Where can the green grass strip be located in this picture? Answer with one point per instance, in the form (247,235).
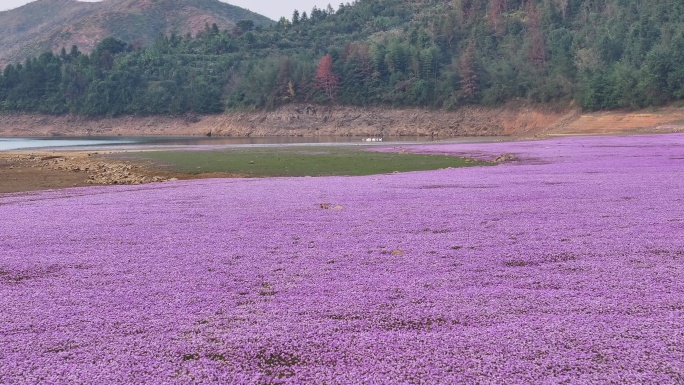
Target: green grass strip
(297,161)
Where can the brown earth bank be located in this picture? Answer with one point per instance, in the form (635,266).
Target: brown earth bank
(45,170)
(313,120)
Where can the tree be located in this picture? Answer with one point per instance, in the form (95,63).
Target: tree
(495,12)
(285,89)
(537,50)
(325,79)
(106,60)
(283,23)
(113,45)
(74,53)
(468,72)
(245,25)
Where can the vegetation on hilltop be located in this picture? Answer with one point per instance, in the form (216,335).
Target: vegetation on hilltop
(48,25)
(601,54)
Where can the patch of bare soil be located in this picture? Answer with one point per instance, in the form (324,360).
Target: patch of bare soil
(298,120)
(661,120)
(313,120)
(24,171)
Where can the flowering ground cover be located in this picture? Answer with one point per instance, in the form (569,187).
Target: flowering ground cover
(565,267)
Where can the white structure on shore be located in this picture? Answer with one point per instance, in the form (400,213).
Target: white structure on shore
(372,139)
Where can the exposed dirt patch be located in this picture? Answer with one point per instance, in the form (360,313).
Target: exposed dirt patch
(21,125)
(311,120)
(297,120)
(24,171)
(662,120)
(42,170)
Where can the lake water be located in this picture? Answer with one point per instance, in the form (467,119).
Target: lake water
(26,143)
(103,143)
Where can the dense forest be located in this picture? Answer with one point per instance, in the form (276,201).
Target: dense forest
(600,54)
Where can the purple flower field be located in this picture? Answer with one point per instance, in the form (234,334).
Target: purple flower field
(566,267)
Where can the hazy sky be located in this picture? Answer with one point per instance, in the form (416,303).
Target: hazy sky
(271,8)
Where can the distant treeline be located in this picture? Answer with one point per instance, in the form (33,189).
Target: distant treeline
(601,54)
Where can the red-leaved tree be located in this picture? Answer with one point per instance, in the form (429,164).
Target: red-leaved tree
(495,13)
(468,72)
(537,50)
(325,78)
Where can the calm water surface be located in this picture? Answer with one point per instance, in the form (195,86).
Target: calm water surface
(136,143)
(27,143)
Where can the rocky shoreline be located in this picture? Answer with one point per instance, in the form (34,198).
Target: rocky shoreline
(98,171)
(24,171)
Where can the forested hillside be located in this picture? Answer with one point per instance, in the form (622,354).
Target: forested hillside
(601,54)
(48,25)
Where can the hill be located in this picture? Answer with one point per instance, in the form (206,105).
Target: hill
(435,54)
(49,25)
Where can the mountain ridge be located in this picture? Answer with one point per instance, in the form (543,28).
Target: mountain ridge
(49,25)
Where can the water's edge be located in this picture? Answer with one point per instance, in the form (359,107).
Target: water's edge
(139,143)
